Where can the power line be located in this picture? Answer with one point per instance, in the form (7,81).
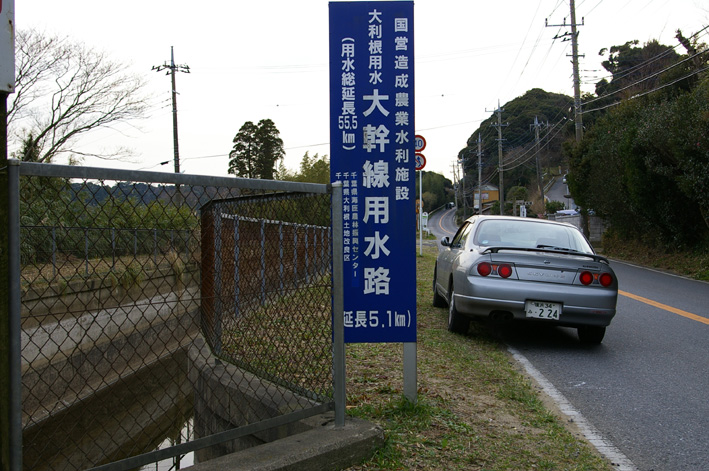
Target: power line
(652,59)
(691,74)
(520,160)
(646,78)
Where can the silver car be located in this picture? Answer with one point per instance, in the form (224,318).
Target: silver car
(524,269)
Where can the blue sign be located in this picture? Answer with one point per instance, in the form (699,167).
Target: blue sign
(372,152)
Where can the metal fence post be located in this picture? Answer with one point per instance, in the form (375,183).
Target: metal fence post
(15,352)
(236,268)
(307,256)
(86,250)
(113,248)
(218,305)
(263,262)
(54,252)
(280,256)
(338,307)
(295,256)
(155,247)
(323,251)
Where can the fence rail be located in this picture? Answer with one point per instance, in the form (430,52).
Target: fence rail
(116,282)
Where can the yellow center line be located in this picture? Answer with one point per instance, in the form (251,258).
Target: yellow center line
(674,310)
(440,223)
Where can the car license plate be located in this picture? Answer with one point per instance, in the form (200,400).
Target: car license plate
(542,310)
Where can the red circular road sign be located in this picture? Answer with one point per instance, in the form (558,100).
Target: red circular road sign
(420,161)
(420,143)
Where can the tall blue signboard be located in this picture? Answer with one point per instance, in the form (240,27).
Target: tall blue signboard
(372,154)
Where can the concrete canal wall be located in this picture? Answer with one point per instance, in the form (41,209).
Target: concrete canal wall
(71,351)
(227,397)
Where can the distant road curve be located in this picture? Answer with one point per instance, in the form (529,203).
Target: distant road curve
(442,223)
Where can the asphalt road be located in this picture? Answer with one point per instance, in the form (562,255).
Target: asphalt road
(558,192)
(645,388)
(442,223)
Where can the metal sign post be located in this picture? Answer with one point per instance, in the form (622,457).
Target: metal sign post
(420,145)
(10,366)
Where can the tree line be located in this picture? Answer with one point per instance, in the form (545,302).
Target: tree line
(643,162)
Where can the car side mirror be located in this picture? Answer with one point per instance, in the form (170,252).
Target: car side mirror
(445,242)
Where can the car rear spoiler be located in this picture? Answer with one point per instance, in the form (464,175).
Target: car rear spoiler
(593,256)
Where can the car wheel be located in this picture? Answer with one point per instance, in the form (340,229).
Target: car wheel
(457,323)
(438,300)
(591,334)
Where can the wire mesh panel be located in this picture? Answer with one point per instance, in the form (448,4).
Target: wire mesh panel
(266,273)
(120,279)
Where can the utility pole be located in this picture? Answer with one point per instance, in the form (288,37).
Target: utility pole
(172,68)
(456,183)
(578,119)
(462,184)
(536,126)
(500,167)
(480,176)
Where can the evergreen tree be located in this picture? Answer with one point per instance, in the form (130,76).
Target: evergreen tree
(257,148)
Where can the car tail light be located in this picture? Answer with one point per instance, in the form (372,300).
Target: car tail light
(603,279)
(606,279)
(586,278)
(484,269)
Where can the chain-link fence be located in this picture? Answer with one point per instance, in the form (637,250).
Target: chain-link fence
(165,311)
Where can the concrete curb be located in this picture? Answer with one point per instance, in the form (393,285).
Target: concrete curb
(322,448)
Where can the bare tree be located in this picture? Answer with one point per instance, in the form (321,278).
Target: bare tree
(64,90)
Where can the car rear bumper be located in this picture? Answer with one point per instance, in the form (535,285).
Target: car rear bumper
(581,305)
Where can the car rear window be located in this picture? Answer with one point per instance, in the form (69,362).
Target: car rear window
(530,234)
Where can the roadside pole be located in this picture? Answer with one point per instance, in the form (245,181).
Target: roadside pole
(10,386)
(410,374)
(338,315)
(420,163)
(420,211)
(5,408)
(10,349)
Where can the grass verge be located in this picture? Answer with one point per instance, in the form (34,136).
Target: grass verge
(475,409)
(690,263)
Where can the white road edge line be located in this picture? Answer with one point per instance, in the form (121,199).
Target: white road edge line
(606,448)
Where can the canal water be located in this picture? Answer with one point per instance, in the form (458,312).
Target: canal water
(173,464)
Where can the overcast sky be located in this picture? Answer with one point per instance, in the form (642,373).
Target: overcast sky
(257,59)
